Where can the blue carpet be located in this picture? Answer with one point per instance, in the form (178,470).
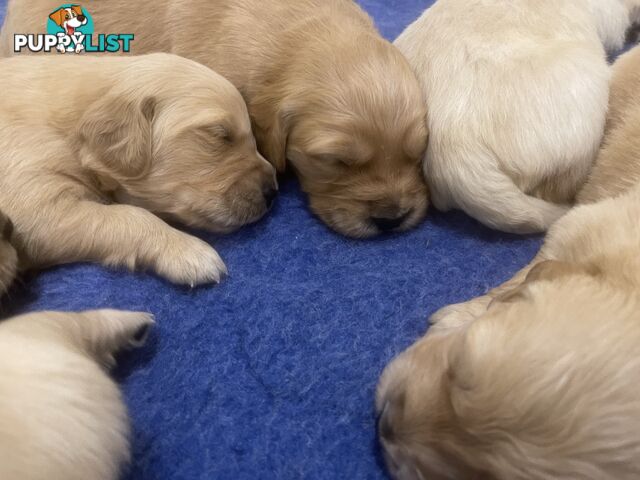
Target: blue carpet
(271,375)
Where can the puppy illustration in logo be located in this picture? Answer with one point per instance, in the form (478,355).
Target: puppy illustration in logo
(69,19)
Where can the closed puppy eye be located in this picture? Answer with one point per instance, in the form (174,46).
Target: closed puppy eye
(337,160)
(215,134)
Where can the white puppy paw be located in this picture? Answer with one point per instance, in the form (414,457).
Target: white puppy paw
(190,261)
(61,48)
(79,48)
(459,314)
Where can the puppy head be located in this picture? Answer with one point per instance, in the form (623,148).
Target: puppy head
(175,138)
(71,14)
(8,255)
(524,391)
(353,126)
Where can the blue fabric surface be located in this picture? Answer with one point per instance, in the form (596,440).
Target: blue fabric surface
(271,375)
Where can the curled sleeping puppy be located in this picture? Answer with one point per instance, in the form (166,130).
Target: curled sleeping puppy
(538,378)
(61,416)
(324,92)
(94,151)
(517,94)
(8,255)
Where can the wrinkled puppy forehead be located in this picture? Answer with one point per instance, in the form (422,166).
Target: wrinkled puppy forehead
(174,77)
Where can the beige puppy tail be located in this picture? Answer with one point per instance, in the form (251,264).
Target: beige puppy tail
(98,333)
(492,198)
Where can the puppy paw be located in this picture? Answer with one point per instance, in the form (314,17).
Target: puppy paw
(79,48)
(106,332)
(190,261)
(458,315)
(61,48)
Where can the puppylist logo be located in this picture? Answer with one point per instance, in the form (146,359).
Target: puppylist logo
(70,29)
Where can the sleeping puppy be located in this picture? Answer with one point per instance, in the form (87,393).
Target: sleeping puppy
(86,158)
(517,94)
(616,170)
(61,416)
(8,255)
(542,386)
(324,91)
(535,380)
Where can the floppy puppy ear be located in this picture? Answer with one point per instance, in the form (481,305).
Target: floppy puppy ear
(118,133)
(272,125)
(546,271)
(552,269)
(58,16)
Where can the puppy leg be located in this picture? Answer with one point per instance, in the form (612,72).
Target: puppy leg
(99,333)
(119,235)
(460,314)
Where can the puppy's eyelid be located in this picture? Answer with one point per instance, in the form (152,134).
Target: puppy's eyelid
(338,160)
(218,131)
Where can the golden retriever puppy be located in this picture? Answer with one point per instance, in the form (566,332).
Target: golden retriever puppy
(517,94)
(542,386)
(8,255)
(536,379)
(90,147)
(324,92)
(616,170)
(61,416)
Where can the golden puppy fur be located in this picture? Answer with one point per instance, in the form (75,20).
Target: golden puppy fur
(324,91)
(537,379)
(8,255)
(61,416)
(517,93)
(618,166)
(90,147)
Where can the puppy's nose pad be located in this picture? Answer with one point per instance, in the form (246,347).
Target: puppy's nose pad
(81,18)
(387,224)
(270,195)
(7,230)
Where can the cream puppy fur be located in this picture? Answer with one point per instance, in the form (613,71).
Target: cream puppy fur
(90,147)
(537,379)
(325,92)
(61,416)
(517,94)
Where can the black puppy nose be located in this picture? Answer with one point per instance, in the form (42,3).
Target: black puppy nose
(81,18)
(388,224)
(270,195)
(7,230)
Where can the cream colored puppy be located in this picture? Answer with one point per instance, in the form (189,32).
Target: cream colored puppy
(93,151)
(324,91)
(537,379)
(61,416)
(517,94)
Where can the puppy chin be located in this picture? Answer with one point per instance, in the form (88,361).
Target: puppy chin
(221,220)
(354,219)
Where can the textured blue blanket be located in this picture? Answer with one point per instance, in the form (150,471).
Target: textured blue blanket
(271,375)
